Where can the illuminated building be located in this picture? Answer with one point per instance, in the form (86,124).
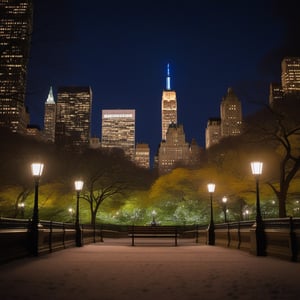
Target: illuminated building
(231,114)
(142,155)
(174,150)
(73,116)
(276,93)
(168,106)
(34,131)
(195,152)
(290,74)
(290,81)
(15,36)
(50,118)
(212,132)
(230,123)
(118,130)
(95,143)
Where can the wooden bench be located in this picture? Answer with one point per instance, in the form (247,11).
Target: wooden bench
(152,232)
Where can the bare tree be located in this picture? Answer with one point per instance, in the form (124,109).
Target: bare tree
(106,176)
(287,135)
(99,187)
(278,126)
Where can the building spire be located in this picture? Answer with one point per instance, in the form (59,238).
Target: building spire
(50,99)
(168,79)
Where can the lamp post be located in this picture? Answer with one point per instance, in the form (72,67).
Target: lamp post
(224,200)
(21,206)
(256,168)
(153,223)
(211,228)
(78,187)
(246,214)
(71,211)
(36,170)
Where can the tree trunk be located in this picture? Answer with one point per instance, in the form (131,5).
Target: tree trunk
(93,218)
(281,204)
(281,198)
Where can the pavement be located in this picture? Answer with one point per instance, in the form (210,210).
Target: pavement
(153,269)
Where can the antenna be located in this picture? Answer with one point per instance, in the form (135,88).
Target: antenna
(168,79)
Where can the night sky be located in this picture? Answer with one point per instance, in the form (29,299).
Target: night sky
(121,49)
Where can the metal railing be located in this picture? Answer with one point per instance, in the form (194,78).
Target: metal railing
(53,236)
(282,236)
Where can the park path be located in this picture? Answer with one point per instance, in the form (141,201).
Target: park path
(114,270)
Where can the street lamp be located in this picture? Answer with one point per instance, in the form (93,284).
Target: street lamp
(211,228)
(36,170)
(153,223)
(71,211)
(224,200)
(256,168)
(246,214)
(21,206)
(78,187)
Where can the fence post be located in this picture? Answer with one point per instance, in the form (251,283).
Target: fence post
(228,235)
(132,236)
(94,233)
(64,235)
(293,240)
(50,236)
(101,234)
(239,234)
(82,234)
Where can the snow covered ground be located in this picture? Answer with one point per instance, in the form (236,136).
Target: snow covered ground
(114,270)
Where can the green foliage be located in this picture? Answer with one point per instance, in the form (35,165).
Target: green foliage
(108,175)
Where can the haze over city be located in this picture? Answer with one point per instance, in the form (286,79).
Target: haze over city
(121,50)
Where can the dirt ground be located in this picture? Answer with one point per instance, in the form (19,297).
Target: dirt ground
(153,269)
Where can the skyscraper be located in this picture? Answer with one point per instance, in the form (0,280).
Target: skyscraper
(50,117)
(276,93)
(212,132)
(168,106)
(142,155)
(15,36)
(290,74)
(118,130)
(174,151)
(231,114)
(195,152)
(73,116)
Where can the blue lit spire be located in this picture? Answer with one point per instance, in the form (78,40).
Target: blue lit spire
(168,79)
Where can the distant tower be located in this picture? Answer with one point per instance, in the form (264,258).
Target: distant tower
(118,130)
(168,106)
(142,155)
(231,114)
(276,93)
(174,151)
(15,36)
(50,117)
(212,132)
(290,74)
(73,116)
(195,152)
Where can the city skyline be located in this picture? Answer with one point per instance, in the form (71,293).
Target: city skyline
(122,52)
